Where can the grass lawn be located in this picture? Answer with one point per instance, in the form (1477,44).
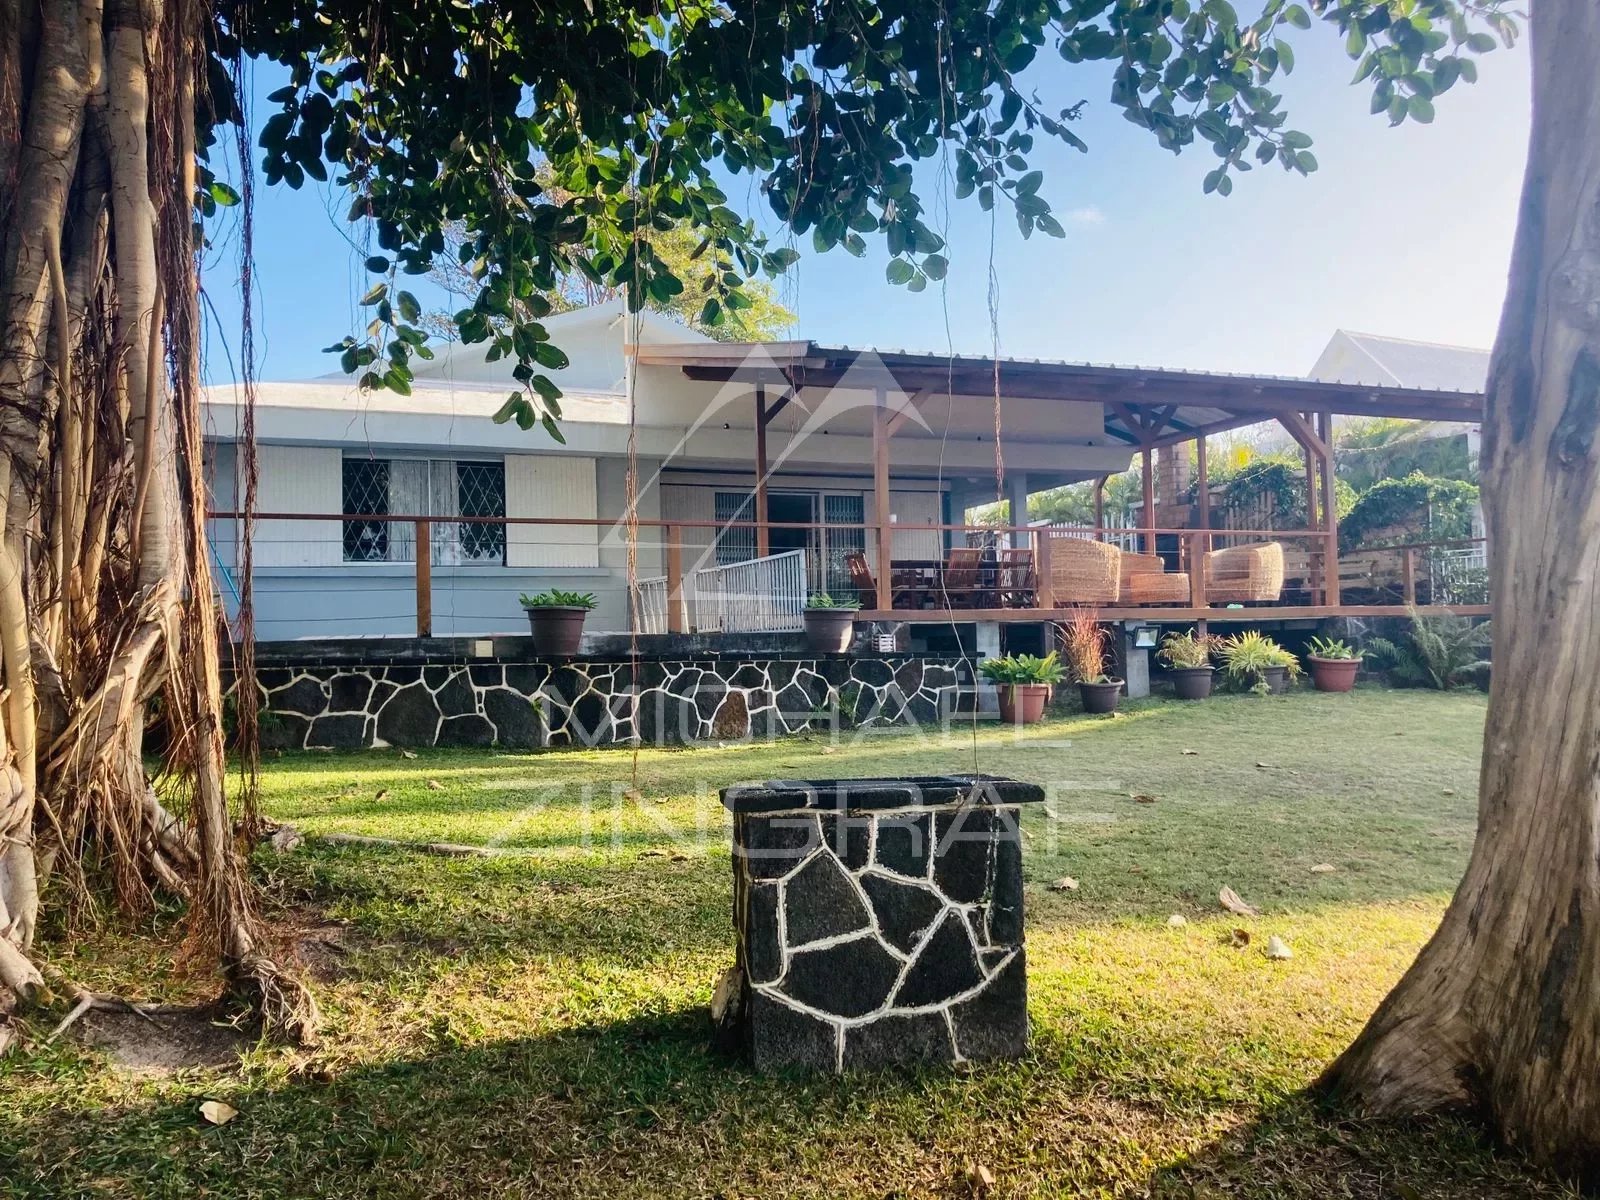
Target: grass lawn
(534,1023)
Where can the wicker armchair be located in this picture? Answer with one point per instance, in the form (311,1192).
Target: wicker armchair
(1084,572)
(1146,580)
(1244,573)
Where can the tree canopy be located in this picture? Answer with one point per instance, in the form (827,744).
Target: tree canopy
(467,113)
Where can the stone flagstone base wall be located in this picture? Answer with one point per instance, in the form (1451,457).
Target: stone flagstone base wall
(596,702)
(880,938)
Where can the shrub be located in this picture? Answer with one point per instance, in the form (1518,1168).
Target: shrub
(1247,656)
(1440,651)
(1184,651)
(823,600)
(1023,668)
(1321,647)
(1437,508)
(1084,641)
(555,598)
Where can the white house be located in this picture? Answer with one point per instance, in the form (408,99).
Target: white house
(325,449)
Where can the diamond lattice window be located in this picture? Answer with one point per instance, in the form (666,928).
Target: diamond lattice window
(441,489)
(366,491)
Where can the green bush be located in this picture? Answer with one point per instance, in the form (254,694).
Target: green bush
(1437,652)
(1427,508)
(1023,668)
(555,598)
(823,600)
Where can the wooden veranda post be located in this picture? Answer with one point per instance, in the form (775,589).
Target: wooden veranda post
(1148,539)
(424,579)
(1045,592)
(880,497)
(1100,509)
(1330,515)
(675,606)
(1199,543)
(1202,481)
(763,533)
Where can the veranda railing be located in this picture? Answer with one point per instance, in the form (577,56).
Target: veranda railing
(759,595)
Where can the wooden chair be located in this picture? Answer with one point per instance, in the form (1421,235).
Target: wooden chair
(855,562)
(1018,584)
(1084,572)
(961,577)
(1241,574)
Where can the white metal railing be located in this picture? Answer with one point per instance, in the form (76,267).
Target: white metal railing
(759,595)
(652,604)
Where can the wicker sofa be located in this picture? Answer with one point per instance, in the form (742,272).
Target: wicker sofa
(1146,580)
(1084,572)
(1241,574)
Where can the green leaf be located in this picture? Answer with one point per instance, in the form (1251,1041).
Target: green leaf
(377,264)
(410,310)
(223,195)
(899,271)
(935,266)
(1420,108)
(552,428)
(1297,16)
(1029,183)
(374,294)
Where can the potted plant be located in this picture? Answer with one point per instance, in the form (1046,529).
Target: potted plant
(556,620)
(1253,660)
(1188,657)
(829,623)
(1084,642)
(1333,665)
(1024,683)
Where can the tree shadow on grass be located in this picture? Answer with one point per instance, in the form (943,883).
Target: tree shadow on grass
(1304,1149)
(643,1106)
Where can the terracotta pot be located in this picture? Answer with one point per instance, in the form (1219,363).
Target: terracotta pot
(828,630)
(1023,703)
(1192,683)
(557,629)
(1333,674)
(1101,697)
(1276,679)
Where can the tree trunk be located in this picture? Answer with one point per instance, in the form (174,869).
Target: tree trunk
(1500,1014)
(106,598)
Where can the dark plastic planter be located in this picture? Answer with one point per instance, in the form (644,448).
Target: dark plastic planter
(1192,683)
(828,630)
(1276,679)
(557,629)
(1333,674)
(1023,703)
(1101,697)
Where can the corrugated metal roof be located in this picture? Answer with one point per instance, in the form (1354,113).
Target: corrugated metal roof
(1435,365)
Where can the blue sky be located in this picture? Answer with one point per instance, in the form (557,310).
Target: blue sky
(1405,232)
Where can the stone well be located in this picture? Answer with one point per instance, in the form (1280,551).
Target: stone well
(879,922)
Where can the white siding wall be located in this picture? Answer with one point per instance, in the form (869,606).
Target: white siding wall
(910,509)
(548,485)
(680,503)
(307,479)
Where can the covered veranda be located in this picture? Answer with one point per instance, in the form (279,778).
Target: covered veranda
(1004,428)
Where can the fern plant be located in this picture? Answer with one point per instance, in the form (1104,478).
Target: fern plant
(1436,652)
